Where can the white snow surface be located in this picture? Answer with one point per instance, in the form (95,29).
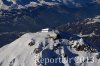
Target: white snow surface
(94,20)
(20,53)
(2,5)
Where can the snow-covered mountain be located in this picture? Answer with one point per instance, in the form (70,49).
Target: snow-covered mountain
(65,2)
(44,48)
(68,3)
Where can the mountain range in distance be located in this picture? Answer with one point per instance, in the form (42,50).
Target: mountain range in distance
(67,3)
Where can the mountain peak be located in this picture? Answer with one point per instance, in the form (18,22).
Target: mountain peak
(31,48)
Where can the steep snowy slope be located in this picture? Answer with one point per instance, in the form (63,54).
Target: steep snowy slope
(2,5)
(49,49)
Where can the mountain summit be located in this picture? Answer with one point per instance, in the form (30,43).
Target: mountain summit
(49,48)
